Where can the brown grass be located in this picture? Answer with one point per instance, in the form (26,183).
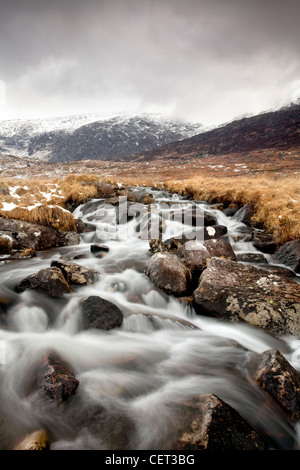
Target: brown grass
(275,196)
(54,217)
(276,200)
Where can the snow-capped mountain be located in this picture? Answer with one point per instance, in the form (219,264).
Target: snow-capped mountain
(90,136)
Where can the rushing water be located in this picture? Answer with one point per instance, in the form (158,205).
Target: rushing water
(131,378)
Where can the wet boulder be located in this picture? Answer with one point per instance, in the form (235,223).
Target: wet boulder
(52,377)
(244,214)
(264,242)
(171,245)
(143,197)
(220,248)
(251,258)
(228,289)
(50,281)
(80,225)
(198,217)
(100,313)
(289,255)
(275,375)
(208,233)
(168,273)
(194,255)
(18,235)
(75,274)
(212,424)
(99,248)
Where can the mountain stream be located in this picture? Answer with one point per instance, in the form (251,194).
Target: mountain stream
(130,376)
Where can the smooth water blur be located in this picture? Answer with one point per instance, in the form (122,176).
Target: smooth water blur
(131,378)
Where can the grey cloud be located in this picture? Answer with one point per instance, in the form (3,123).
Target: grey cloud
(202,59)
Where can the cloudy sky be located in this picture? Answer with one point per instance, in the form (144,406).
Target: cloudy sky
(208,61)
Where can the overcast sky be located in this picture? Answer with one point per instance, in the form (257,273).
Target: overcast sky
(208,61)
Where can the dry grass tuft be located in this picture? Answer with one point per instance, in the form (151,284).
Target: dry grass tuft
(54,217)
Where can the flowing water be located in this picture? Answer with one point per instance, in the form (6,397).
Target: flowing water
(131,378)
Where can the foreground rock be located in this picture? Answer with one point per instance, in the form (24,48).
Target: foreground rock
(100,314)
(50,281)
(18,236)
(275,375)
(76,274)
(212,424)
(168,273)
(232,290)
(37,440)
(52,377)
(289,255)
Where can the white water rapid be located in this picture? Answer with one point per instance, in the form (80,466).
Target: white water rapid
(129,377)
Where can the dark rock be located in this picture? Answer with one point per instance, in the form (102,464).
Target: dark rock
(112,427)
(75,274)
(197,217)
(50,281)
(91,206)
(171,245)
(18,235)
(105,190)
(251,258)
(80,225)
(275,375)
(242,232)
(207,233)
(264,242)
(53,377)
(231,210)
(100,314)
(289,255)
(98,248)
(143,197)
(194,255)
(212,424)
(168,273)
(244,214)
(279,270)
(220,248)
(237,291)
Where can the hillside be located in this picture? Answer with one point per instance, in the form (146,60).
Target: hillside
(278,130)
(91,137)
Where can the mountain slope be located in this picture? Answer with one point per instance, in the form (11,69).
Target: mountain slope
(90,136)
(271,130)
